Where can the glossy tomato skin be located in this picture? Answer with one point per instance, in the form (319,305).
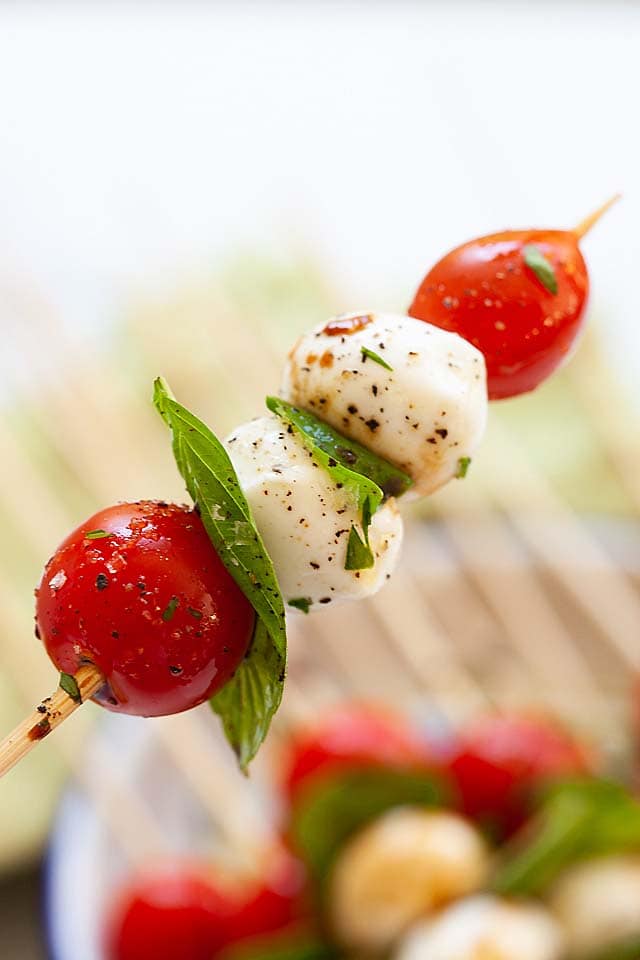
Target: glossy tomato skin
(484,291)
(500,764)
(352,737)
(168,913)
(272,904)
(151,605)
(189,912)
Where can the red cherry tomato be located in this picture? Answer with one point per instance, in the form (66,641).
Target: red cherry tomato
(150,603)
(170,913)
(272,905)
(185,912)
(500,763)
(353,737)
(485,291)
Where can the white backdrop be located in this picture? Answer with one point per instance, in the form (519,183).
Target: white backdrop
(141,141)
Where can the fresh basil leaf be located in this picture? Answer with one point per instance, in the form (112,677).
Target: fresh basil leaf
(170,609)
(300,603)
(330,812)
(536,261)
(249,701)
(577,819)
(69,684)
(375,357)
(288,946)
(353,456)
(213,485)
(320,440)
(463,468)
(359,553)
(627,949)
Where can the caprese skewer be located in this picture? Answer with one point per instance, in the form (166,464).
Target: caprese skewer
(151,608)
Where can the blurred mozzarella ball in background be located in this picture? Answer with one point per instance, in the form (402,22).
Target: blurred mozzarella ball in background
(485,927)
(305,519)
(401,867)
(424,415)
(598,902)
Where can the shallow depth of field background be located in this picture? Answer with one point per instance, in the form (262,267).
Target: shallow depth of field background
(186,186)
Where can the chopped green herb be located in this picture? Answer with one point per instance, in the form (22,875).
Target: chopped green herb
(392,481)
(536,261)
(374,356)
(247,703)
(69,684)
(576,819)
(194,613)
(97,534)
(463,466)
(171,608)
(366,493)
(359,553)
(625,949)
(300,603)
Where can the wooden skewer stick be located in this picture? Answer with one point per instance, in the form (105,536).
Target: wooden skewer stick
(585,225)
(46,717)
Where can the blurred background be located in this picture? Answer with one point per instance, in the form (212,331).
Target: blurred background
(185,187)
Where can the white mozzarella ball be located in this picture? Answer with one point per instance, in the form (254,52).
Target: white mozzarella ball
(486,927)
(598,902)
(399,868)
(424,415)
(305,519)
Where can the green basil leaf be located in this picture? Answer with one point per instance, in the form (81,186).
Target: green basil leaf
(69,684)
(463,467)
(300,603)
(287,946)
(353,456)
(249,701)
(213,485)
(170,609)
(333,452)
(330,812)
(577,819)
(359,553)
(627,949)
(97,535)
(375,357)
(536,261)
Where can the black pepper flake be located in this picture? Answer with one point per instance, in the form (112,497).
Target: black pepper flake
(374,390)
(176,671)
(316,566)
(325,600)
(102,581)
(373,424)
(115,634)
(332,462)
(37,632)
(346,455)
(352,408)
(442,432)
(41,708)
